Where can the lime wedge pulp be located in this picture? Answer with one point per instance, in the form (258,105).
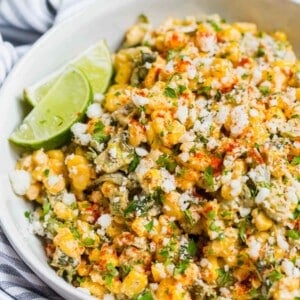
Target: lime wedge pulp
(48,124)
(95,62)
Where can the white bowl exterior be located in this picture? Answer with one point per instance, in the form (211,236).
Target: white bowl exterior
(107,20)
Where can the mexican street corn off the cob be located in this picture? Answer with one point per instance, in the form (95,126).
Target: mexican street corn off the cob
(184,180)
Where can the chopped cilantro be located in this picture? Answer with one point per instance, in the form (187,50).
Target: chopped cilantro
(110,274)
(225,278)
(143,18)
(46,172)
(75,232)
(218,95)
(142,204)
(260,52)
(149,226)
(88,242)
(214,25)
(264,90)
(205,90)
(145,296)
(181,88)
(169,92)
(134,163)
(209,176)
(165,161)
(188,216)
(242,229)
(275,275)
(27,215)
(46,208)
(181,267)
(192,248)
(245,76)
(293,234)
(171,54)
(296,160)
(211,214)
(252,188)
(98,133)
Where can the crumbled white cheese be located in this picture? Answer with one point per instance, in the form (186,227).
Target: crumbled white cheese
(113,153)
(78,128)
(36,227)
(292,195)
(239,118)
(253,112)
(184,201)
(170,66)
(208,43)
(222,115)
(143,167)
(184,156)
(182,113)
(168,182)
(244,211)
(212,144)
(188,136)
(260,174)
(68,198)
(80,135)
(20,181)
(161,269)
(170,269)
(236,187)
(289,269)
(191,71)
(104,221)
(281,241)
(141,151)
(54,179)
(254,248)
(262,195)
(94,111)
(98,97)
(139,100)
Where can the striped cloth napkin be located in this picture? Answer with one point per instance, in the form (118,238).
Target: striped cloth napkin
(22,22)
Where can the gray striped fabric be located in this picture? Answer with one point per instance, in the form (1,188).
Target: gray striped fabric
(21,23)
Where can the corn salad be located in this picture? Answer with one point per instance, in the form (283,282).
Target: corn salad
(183,181)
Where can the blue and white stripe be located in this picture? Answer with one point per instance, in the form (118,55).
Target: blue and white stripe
(22,22)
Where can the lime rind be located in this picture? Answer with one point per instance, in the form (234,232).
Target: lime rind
(48,124)
(95,62)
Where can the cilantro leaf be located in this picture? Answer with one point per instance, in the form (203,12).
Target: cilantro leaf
(275,275)
(182,266)
(293,234)
(149,226)
(225,278)
(214,25)
(264,90)
(99,134)
(134,163)
(209,176)
(167,162)
(46,208)
(145,296)
(296,160)
(169,92)
(192,248)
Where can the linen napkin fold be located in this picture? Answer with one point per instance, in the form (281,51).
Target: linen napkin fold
(22,22)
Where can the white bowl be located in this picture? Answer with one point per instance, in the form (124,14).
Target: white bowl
(107,20)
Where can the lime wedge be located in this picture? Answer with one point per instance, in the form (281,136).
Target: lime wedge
(48,124)
(95,62)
